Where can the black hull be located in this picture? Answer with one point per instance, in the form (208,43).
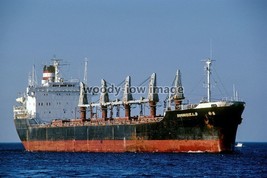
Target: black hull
(180,131)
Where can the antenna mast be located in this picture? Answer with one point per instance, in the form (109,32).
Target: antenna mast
(208,70)
(34,81)
(210,48)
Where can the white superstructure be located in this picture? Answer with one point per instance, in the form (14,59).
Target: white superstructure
(53,99)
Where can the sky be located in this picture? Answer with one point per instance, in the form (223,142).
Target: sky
(137,38)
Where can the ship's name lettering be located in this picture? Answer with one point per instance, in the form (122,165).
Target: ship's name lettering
(187,114)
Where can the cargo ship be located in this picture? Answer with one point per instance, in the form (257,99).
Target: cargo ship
(59,116)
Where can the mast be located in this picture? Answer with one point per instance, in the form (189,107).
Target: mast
(153,97)
(82,101)
(32,77)
(127,96)
(179,94)
(56,63)
(85,71)
(208,70)
(104,98)
(235,92)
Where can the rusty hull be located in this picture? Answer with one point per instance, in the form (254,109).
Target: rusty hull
(211,146)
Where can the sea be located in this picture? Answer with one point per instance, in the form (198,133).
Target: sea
(250,160)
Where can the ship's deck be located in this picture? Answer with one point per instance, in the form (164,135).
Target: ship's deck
(101,122)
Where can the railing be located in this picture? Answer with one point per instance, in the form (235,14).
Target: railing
(20,112)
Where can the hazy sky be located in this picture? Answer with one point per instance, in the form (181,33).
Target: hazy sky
(138,38)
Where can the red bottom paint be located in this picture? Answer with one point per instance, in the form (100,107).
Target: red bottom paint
(125,146)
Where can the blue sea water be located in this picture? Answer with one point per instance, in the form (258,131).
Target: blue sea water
(248,161)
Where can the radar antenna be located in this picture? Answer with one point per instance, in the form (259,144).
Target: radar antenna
(57,63)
